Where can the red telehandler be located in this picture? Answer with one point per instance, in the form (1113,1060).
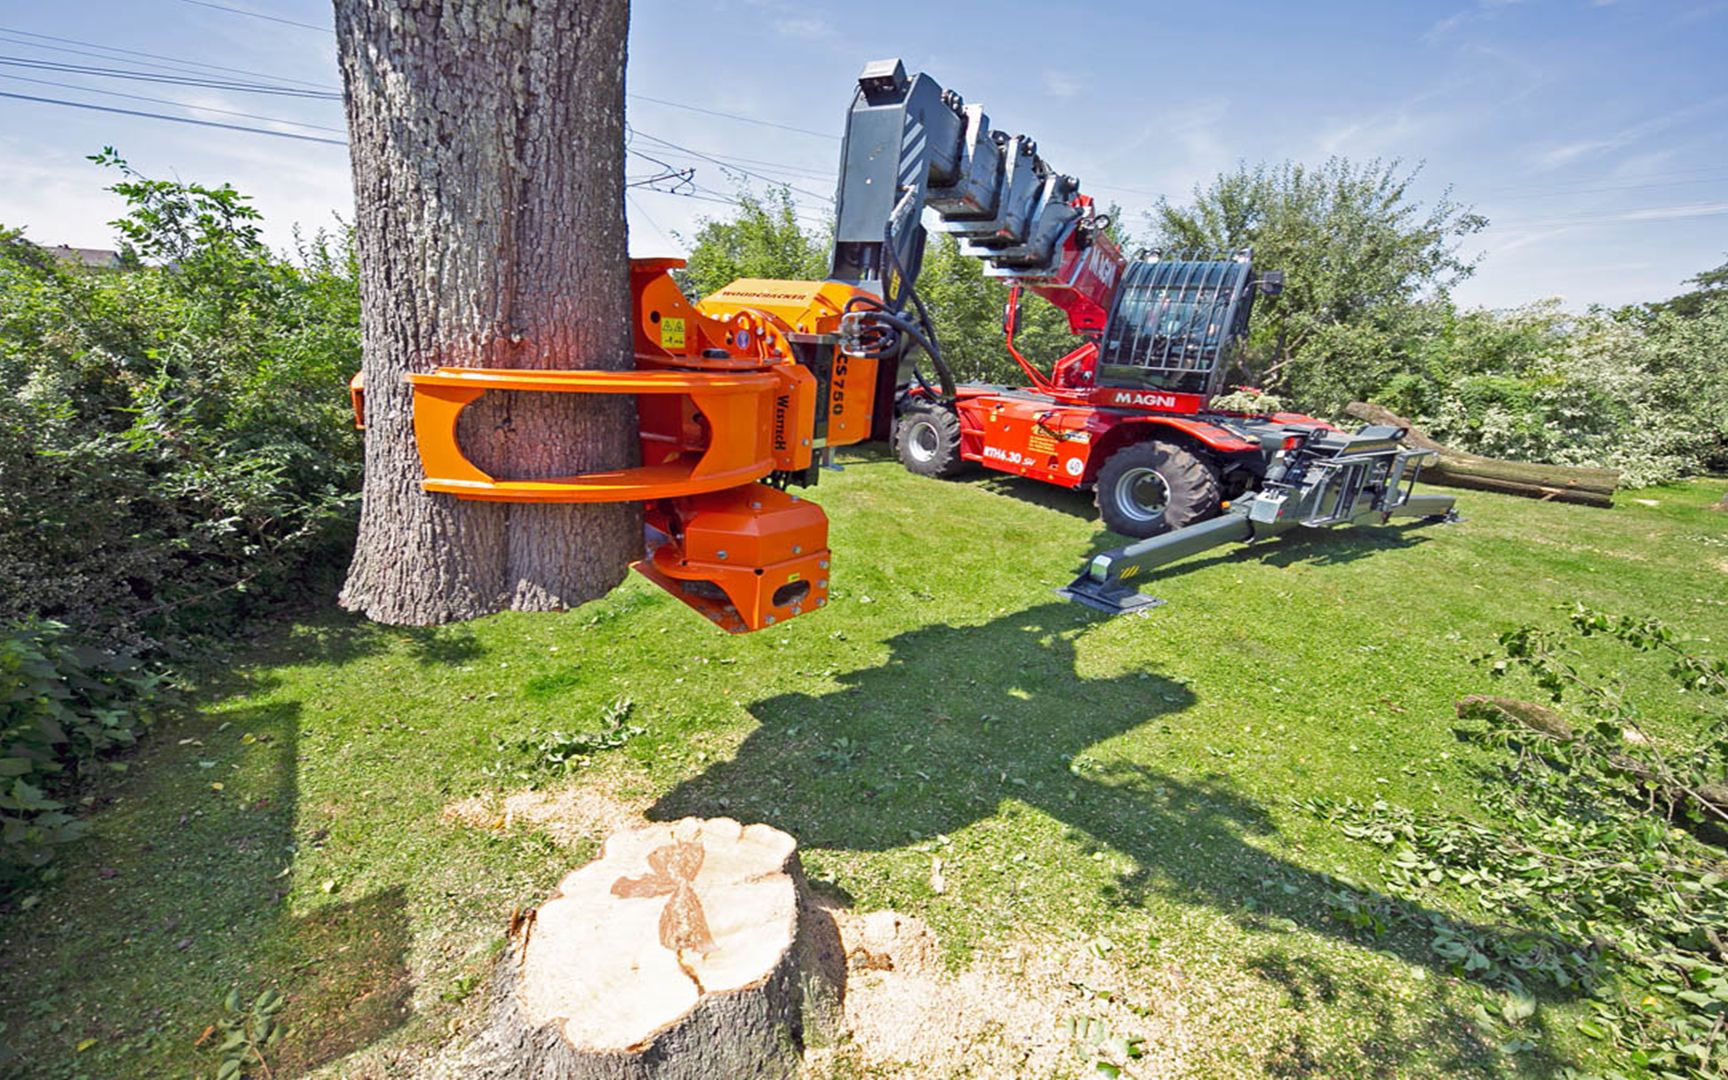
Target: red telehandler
(740,395)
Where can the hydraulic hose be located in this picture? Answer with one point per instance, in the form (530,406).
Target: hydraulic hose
(926,341)
(925,338)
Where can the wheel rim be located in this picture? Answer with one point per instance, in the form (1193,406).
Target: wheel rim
(924,442)
(1142,495)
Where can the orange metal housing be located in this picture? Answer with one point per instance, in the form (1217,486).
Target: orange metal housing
(811,307)
(724,398)
(746,557)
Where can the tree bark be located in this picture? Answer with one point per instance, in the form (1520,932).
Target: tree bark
(685,951)
(487,147)
(1455,468)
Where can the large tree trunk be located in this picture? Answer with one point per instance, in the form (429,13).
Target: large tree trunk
(1455,468)
(488,155)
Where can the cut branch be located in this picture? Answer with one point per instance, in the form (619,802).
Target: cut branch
(1549,725)
(1455,468)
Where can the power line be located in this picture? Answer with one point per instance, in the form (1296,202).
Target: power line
(173,62)
(769,166)
(170,101)
(175,119)
(260,15)
(172,80)
(702,194)
(336,93)
(639,97)
(734,116)
(735,168)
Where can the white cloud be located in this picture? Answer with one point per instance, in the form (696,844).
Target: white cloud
(1483,9)
(1061,84)
(1578,149)
(57,198)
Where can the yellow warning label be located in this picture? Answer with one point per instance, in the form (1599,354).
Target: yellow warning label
(790,578)
(671,334)
(1040,443)
(893,284)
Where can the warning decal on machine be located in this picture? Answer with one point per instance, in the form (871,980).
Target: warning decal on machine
(671,334)
(1041,443)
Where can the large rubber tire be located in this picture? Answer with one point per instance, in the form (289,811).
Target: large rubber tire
(927,438)
(1149,488)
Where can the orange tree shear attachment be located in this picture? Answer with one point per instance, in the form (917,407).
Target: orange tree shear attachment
(718,433)
(722,401)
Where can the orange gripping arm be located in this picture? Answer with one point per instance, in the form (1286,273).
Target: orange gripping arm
(738,408)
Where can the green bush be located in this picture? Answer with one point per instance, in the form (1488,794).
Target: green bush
(174,438)
(63,706)
(1640,392)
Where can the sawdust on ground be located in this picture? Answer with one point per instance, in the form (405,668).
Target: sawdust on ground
(568,815)
(905,1014)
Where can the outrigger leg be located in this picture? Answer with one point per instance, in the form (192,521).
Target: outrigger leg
(1319,480)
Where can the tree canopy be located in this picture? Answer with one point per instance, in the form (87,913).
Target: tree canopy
(1712,286)
(1359,253)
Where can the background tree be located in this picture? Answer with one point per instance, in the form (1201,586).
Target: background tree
(1361,259)
(1712,286)
(488,145)
(761,239)
(967,307)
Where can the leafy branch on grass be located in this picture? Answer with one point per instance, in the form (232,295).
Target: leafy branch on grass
(247,1029)
(1582,882)
(1688,778)
(563,752)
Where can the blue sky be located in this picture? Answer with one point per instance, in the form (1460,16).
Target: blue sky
(1592,133)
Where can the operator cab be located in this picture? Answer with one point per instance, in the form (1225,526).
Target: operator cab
(1177,324)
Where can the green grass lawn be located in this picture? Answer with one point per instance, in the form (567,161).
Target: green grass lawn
(1091,785)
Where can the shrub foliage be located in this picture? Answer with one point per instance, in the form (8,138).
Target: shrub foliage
(173,452)
(62,706)
(171,435)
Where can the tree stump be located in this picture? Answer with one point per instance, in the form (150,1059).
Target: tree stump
(684,950)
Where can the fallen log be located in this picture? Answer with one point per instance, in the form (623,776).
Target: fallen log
(1455,468)
(684,951)
(1548,725)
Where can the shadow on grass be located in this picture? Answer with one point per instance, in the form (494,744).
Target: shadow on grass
(1063,500)
(961,721)
(178,895)
(335,638)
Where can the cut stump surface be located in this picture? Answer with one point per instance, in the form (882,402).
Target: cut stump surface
(684,950)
